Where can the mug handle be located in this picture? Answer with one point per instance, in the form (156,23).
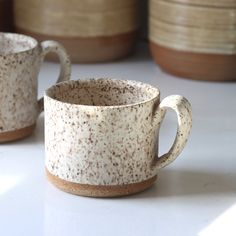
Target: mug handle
(184,115)
(65,71)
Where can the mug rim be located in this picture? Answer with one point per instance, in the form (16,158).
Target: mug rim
(139,83)
(29,48)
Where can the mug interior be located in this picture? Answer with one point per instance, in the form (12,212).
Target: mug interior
(14,43)
(102,92)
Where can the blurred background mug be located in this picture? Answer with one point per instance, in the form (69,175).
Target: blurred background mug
(20,60)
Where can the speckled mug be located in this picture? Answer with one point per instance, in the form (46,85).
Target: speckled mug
(101,135)
(20,60)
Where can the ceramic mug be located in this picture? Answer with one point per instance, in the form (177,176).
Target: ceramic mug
(20,60)
(101,135)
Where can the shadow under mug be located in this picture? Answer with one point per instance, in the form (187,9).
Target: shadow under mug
(20,59)
(101,135)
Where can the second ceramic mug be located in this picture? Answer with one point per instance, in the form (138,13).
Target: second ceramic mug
(101,135)
(20,60)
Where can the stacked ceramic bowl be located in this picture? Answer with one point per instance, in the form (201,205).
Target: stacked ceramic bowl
(91,31)
(194,38)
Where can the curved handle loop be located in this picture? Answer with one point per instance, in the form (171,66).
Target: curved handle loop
(65,71)
(184,114)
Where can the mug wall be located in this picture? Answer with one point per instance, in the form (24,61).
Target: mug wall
(19,67)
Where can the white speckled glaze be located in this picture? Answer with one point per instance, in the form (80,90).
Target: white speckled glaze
(20,60)
(105,131)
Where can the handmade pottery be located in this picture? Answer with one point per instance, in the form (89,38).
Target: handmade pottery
(91,31)
(193,38)
(101,135)
(20,60)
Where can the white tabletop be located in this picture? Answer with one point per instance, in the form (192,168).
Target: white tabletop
(195,195)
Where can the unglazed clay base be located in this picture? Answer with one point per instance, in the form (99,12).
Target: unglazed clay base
(199,66)
(99,191)
(91,49)
(16,134)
